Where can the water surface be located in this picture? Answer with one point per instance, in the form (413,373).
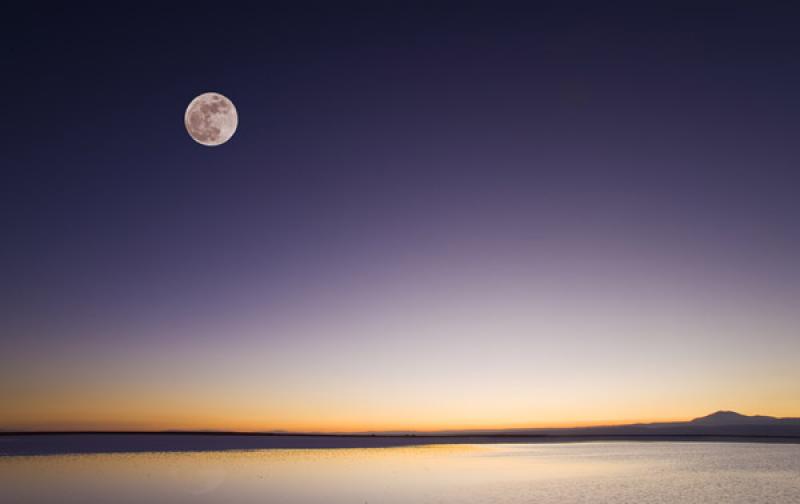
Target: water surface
(619,472)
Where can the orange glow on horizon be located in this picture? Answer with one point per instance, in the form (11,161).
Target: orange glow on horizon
(310,427)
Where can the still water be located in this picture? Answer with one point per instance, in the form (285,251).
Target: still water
(615,472)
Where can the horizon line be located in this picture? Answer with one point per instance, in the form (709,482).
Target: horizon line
(475,431)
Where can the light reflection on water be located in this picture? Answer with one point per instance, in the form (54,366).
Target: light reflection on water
(542,473)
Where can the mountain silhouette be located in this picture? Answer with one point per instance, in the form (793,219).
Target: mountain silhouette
(734,418)
(720,423)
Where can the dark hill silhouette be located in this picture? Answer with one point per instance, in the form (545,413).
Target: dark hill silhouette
(720,422)
(734,418)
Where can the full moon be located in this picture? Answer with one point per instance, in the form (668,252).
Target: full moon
(211,119)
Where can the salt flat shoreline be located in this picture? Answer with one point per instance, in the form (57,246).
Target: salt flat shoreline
(32,444)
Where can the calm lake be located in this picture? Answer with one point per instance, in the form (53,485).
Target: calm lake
(618,472)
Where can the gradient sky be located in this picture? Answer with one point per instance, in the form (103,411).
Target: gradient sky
(467,215)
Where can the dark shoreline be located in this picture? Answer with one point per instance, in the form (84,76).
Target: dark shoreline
(74,443)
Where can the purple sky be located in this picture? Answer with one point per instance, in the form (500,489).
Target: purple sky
(461,216)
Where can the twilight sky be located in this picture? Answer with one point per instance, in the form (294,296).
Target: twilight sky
(467,215)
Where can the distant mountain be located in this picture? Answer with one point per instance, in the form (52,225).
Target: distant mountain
(733,418)
(722,418)
(720,423)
